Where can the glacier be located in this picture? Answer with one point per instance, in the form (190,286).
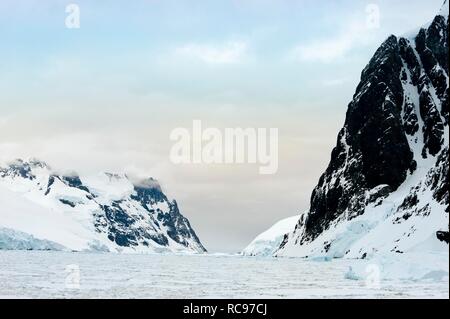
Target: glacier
(11,239)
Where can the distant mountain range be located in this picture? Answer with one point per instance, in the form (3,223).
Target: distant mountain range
(40,209)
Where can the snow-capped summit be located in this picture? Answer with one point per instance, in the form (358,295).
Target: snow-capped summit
(108,212)
(385,190)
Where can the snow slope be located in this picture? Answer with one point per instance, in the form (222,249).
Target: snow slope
(40,209)
(40,274)
(269,241)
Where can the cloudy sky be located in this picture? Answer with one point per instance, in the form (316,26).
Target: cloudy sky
(107,95)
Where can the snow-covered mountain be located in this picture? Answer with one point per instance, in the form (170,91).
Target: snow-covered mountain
(386,187)
(267,243)
(40,209)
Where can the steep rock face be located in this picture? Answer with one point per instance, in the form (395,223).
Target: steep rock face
(107,212)
(372,147)
(390,155)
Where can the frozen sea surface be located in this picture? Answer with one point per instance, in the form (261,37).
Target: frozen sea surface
(32,274)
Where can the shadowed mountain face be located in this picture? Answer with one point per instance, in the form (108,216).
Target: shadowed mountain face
(106,212)
(395,136)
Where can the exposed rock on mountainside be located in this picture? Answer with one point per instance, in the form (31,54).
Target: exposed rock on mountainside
(386,186)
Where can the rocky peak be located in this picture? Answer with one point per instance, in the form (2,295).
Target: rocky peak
(396,123)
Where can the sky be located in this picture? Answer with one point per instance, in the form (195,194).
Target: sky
(106,96)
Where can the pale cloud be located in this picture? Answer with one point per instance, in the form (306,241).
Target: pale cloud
(328,50)
(3,121)
(228,53)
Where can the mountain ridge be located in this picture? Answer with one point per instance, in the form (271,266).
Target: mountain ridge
(108,212)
